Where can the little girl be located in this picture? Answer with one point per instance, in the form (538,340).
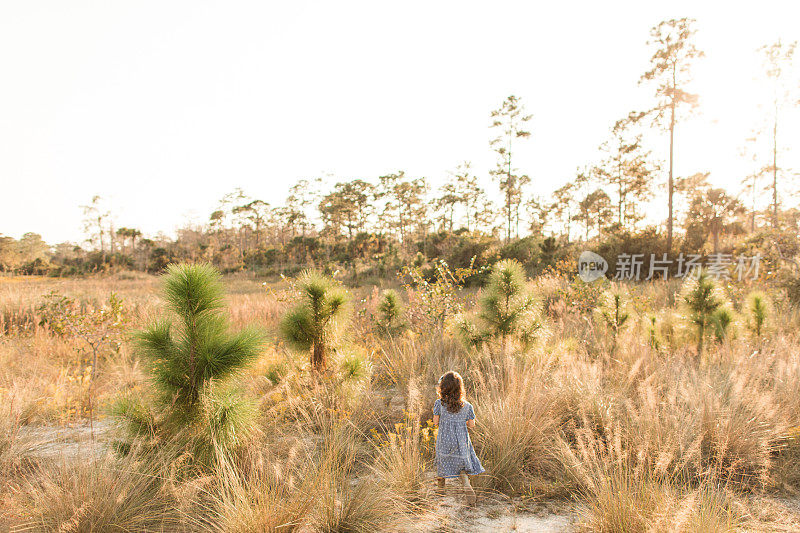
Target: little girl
(455,456)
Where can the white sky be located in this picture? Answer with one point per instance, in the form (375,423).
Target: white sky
(164,106)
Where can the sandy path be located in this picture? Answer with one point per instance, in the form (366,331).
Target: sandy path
(449,513)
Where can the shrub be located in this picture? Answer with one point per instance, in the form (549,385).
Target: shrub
(433,298)
(98,327)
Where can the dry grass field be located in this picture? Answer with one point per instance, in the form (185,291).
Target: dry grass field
(255,257)
(594,426)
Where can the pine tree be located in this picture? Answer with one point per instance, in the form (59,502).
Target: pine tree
(757,312)
(626,171)
(192,356)
(702,298)
(507,312)
(390,312)
(613,314)
(721,322)
(511,120)
(313,323)
(778,58)
(672,58)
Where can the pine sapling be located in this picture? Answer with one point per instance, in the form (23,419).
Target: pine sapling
(390,312)
(192,356)
(614,315)
(721,321)
(757,312)
(701,299)
(652,333)
(313,324)
(507,312)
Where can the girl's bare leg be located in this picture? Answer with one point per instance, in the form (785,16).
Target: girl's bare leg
(440,485)
(468,490)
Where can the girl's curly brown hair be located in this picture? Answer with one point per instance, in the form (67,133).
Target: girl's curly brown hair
(451,391)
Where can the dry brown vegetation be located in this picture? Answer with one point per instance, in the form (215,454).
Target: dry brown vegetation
(642,437)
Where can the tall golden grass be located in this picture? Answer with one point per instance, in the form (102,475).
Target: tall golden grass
(649,438)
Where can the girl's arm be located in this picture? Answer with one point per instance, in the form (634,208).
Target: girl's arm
(435,420)
(470,417)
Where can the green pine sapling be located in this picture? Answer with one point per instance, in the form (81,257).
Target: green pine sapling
(314,322)
(192,356)
(613,313)
(701,299)
(757,312)
(507,312)
(390,312)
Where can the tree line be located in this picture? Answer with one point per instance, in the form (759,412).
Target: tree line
(376,225)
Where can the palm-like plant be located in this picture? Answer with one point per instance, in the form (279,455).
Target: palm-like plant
(191,356)
(702,298)
(314,322)
(507,311)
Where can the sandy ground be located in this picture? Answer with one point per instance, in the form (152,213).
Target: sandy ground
(67,442)
(450,513)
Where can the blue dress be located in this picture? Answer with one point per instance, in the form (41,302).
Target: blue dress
(454,451)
